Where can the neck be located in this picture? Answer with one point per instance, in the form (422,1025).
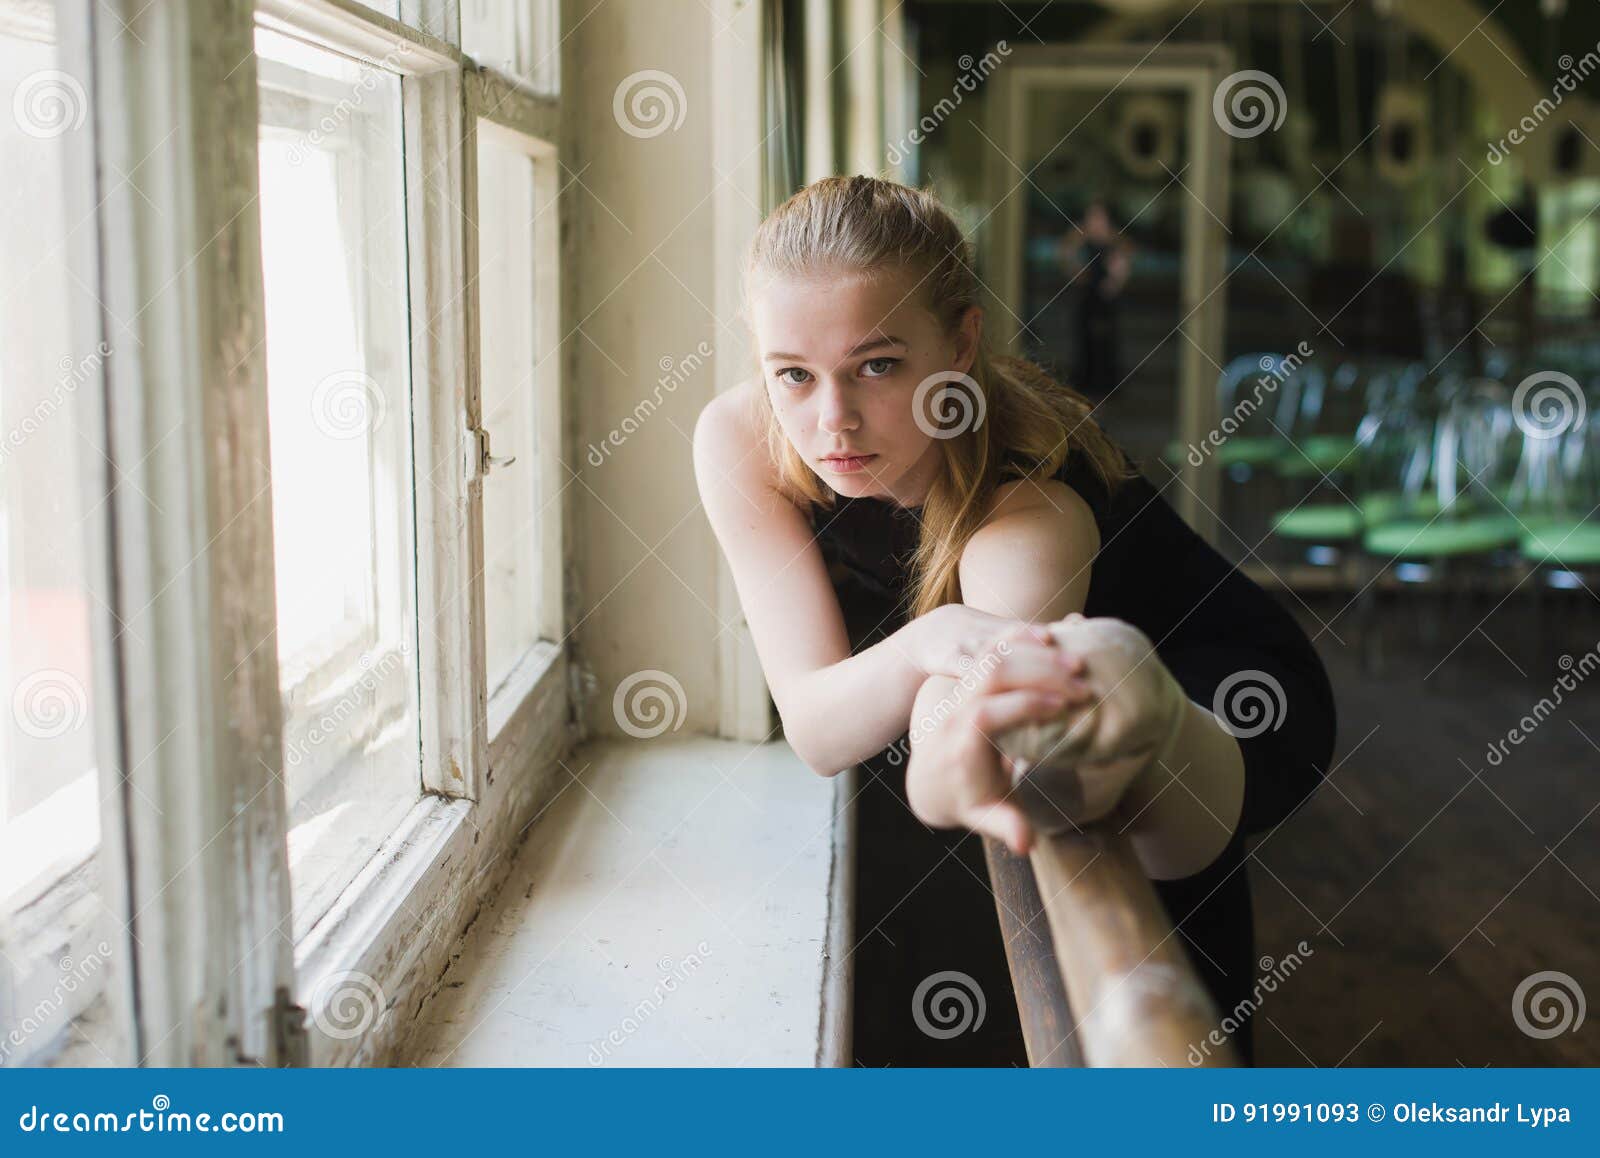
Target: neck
(911,488)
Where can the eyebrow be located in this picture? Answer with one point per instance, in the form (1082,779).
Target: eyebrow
(869,344)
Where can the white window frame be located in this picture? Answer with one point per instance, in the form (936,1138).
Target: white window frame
(193,855)
(529,127)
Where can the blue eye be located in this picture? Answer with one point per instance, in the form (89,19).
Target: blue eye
(791,370)
(888,365)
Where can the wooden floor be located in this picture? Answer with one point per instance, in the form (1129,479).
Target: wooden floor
(1428,882)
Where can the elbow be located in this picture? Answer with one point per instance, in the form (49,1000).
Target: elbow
(822,763)
(801,742)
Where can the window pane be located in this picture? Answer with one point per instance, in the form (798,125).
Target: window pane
(49,796)
(333,254)
(518,38)
(509,343)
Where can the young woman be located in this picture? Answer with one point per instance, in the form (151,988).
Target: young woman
(902,509)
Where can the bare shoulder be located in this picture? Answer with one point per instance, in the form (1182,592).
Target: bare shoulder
(730,418)
(1049,503)
(1032,556)
(731,461)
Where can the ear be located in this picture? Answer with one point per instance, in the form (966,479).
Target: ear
(969,333)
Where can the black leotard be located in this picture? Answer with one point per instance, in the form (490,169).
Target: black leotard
(923,904)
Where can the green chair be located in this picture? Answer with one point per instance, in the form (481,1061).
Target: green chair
(1556,492)
(1442,505)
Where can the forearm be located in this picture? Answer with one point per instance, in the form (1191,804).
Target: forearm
(841,714)
(1182,812)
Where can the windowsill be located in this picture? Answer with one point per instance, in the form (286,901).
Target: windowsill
(676,904)
(48,842)
(514,692)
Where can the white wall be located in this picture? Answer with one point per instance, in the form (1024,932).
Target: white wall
(653,240)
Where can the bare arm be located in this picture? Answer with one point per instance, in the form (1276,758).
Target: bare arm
(838,709)
(1181,814)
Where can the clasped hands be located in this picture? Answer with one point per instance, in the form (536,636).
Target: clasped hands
(1047,728)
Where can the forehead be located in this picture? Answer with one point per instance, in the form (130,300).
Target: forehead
(822,316)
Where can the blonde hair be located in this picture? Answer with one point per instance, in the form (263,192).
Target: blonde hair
(1031,423)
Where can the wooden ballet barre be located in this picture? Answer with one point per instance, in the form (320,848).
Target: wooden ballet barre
(1109,983)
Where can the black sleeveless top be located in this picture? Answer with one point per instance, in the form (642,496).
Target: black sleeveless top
(1210,624)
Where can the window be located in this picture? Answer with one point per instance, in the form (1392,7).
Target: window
(519,38)
(334,266)
(284,761)
(49,797)
(512,376)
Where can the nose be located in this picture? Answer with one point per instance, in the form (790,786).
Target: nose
(838,412)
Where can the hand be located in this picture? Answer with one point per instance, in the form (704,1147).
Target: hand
(955,775)
(1074,768)
(954,639)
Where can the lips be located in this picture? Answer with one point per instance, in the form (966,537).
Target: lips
(849,465)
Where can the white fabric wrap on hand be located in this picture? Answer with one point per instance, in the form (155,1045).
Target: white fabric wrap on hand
(1073,770)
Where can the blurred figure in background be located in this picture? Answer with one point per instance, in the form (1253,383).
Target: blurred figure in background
(1098,253)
